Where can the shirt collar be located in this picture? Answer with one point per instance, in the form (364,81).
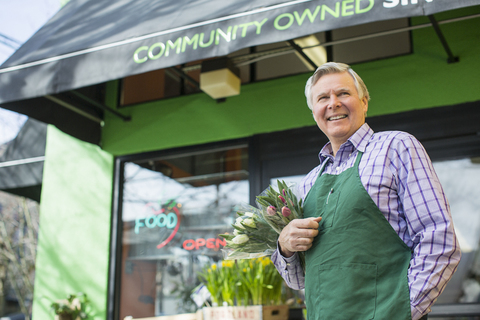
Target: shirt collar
(358,140)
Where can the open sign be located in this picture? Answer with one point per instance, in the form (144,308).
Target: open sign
(210,243)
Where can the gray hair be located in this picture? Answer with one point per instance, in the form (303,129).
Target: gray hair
(334,67)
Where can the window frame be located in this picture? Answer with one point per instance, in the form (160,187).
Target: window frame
(116,233)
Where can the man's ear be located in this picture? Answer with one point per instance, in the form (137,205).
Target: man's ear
(365,104)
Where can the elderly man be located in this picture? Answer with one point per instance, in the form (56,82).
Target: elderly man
(377,232)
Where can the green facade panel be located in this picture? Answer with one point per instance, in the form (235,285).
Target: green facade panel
(73,243)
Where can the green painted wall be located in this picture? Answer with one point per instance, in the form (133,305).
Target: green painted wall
(73,244)
(420,80)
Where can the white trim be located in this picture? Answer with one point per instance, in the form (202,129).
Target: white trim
(147,36)
(21,161)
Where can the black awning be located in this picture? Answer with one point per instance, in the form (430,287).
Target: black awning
(21,165)
(90,42)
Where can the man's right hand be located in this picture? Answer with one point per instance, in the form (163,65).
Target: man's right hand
(298,235)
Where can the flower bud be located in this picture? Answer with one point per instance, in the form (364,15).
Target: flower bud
(284,193)
(238,223)
(286,212)
(241,238)
(271,210)
(283,199)
(249,223)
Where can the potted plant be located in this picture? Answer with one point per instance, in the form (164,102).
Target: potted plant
(244,288)
(72,308)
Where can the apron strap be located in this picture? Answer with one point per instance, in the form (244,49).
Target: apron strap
(357,160)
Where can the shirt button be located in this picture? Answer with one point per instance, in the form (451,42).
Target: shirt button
(338,169)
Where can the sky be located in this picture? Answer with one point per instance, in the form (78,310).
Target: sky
(19,20)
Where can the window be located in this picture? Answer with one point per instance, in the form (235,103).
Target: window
(459,179)
(173,209)
(389,45)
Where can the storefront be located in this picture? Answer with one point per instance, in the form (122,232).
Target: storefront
(130,213)
(196,190)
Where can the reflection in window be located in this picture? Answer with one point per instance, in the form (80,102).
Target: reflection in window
(291,181)
(459,179)
(173,211)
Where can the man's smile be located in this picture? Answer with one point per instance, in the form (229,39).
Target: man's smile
(337,117)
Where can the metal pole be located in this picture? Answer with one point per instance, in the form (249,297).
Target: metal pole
(302,53)
(185,76)
(101,106)
(451,57)
(75,109)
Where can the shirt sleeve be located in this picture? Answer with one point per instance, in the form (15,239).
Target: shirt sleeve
(435,249)
(290,269)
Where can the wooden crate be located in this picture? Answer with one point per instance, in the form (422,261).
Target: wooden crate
(246,313)
(184,316)
(276,312)
(230,313)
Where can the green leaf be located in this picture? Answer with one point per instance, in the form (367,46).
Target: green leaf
(265,201)
(227,236)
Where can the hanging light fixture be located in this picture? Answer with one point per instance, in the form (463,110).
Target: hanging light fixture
(313,50)
(219,78)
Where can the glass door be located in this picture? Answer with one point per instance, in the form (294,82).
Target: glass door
(173,209)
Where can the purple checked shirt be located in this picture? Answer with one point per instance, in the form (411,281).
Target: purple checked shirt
(398,174)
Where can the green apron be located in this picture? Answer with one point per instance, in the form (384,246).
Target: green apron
(357,266)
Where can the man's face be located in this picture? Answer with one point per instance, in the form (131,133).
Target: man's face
(337,108)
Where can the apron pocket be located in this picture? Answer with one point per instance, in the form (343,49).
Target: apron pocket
(327,208)
(346,291)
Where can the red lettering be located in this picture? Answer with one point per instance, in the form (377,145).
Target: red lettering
(219,242)
(199,243)
(211,243)
(189,244)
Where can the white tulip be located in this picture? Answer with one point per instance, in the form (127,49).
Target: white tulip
(241,238)
(249,222)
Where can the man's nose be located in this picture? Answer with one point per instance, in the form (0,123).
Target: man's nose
(334,102)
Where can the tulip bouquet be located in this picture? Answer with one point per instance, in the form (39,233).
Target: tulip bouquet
(256,230)
(253,237)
